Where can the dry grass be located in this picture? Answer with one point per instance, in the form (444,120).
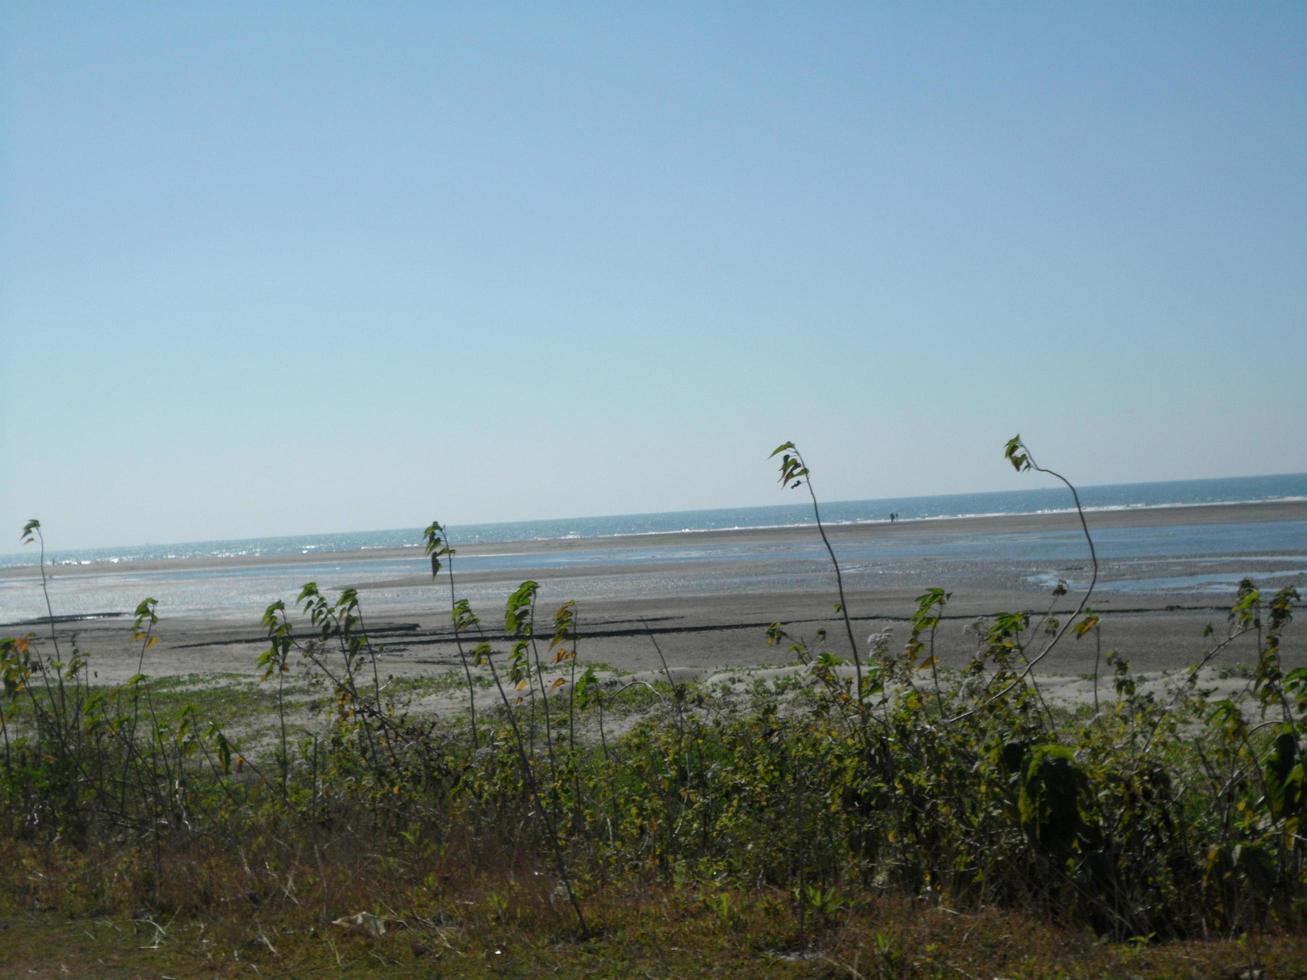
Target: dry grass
(503,924)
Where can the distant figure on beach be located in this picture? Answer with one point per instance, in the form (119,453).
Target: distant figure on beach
(893,517)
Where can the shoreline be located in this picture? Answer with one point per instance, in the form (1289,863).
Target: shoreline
(652,594)
(1162,516)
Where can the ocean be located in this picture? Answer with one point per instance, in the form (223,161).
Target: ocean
(662,548)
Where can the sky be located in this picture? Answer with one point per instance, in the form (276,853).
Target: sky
(299,267)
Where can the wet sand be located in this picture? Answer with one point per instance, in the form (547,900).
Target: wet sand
(714,631)
(702,633)
(720,645)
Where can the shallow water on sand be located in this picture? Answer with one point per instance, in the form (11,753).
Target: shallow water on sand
(1046,500)
(1166,557)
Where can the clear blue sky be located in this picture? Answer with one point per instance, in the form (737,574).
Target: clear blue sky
(283,268)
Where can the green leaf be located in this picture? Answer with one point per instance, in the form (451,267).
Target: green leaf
(517,612)
(1090,622)
(587,688)
(1014,455)
(224,747)
(270,614)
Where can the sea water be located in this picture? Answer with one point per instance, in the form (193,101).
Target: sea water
(112,580)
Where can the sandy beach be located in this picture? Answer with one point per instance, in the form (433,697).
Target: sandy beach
(712,630)
(696,634)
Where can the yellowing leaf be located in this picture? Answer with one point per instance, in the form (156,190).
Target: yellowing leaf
(523,684)
(558,682)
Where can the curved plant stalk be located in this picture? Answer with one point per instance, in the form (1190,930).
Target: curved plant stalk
(354,641)
(519,622)
(147,617)
(361,640)
(930,610)
(463,618)
(794,473)
(1092,622)
(589,691)
(538,802)
(32,531)
(1019,455)
(678,691)
(274,660)
(437,547)
(343,621)
(544,696)
(562,647)
(1190,680)
(1047,624)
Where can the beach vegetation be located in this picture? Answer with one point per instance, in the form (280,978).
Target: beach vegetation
(867,814)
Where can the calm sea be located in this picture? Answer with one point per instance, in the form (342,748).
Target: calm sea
(113,581)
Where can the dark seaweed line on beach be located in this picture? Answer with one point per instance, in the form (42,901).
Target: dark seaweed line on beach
(412,634)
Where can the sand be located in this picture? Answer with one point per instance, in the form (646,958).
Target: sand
(702,635)
(707,633)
